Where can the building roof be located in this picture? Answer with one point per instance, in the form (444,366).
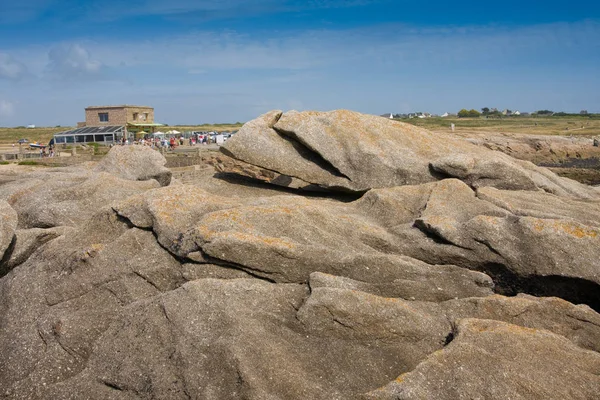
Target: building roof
(92,129)
(118,106)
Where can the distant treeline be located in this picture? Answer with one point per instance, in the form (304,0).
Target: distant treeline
(494,113)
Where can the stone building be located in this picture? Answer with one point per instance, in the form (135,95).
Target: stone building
(119,115)
(110,124)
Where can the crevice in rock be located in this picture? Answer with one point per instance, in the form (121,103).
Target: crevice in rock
(440,175)
(111,385)
(435,236)
(126,221)
(451,335)
(41,335)
(337,320)
(574,290)
(247,270)
(234,266)
(312,190)
(4,268)
(310,154)
(184,260)
(489,246)
(147,280)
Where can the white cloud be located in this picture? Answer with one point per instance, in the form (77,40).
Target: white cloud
(225,75)
(388,47)
(73,61)
(7,109)
(10,68)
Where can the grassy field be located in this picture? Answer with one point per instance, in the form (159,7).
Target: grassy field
(537,126)
(12,135)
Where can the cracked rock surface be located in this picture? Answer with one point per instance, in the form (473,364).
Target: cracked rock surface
(423,268)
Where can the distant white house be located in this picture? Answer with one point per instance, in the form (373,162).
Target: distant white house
(444,115)
(517,113)
(30,126)
(390,115)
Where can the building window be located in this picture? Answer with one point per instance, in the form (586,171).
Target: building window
(103,117)
(144,116)
(135,116)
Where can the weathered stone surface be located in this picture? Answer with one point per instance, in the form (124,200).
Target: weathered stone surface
(363,152)
(8,224)
(447,223)
(171,212)
(492,359)
(136,163)
(543,205)
(286,238)
(539,149)
(258,144)
(415,281)
(72,200)
(26,242)
(119,288)
(578,323)
(241,338)
(55,305)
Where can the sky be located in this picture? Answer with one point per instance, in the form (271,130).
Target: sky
(218,61)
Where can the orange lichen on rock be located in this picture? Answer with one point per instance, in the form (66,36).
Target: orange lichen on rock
(570,228)
(268,240)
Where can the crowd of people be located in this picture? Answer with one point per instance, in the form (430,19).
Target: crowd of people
(169,143)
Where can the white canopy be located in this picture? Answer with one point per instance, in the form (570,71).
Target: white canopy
(159,133)
(173,132)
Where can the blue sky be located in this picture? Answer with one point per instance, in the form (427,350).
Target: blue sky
(207,61)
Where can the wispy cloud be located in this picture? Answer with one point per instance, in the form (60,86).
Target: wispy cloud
(72,62)
(227,75)
(386,47)
(11,68)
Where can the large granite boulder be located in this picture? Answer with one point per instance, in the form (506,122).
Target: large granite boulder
(345,150)
(136,163)
(286,238)
(493,360)
(73,200)
(511,235)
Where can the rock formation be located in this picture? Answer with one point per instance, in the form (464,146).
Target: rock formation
(409,266)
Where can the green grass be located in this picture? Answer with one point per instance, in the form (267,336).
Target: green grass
(43,135)
(28,162)
(569,125)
